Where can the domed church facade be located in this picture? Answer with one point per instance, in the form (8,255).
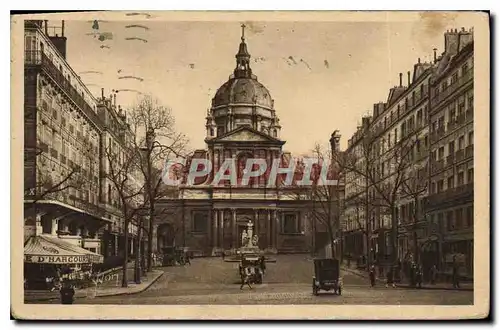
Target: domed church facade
(242,123)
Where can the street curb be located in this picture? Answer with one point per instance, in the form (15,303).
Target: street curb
(102,295)
(361,275)
(134,292)
(434,288)
(407,286)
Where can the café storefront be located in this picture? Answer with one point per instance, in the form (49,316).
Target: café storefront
(48,260)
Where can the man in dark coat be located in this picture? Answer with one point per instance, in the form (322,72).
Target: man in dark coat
(455,274)
(67,293)
(372,276)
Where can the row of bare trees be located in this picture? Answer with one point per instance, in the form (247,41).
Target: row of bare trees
(376,176)
(133,170)
(385,175)
(137,178)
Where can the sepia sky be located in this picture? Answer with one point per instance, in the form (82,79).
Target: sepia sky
(184,62)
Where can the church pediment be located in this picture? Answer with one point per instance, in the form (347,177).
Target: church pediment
(246,134)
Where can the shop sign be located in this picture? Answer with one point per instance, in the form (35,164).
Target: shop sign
(56,259)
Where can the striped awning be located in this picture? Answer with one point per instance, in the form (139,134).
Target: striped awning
(52,250)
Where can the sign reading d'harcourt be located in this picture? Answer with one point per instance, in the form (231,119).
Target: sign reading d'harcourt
(56,259)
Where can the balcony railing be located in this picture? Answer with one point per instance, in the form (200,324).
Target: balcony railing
(466,77)
(462,191)
(39,58)
(437,165)
(469,151)
(459,155)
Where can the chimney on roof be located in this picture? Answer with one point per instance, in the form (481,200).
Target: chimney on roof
(435,55)
(409,78)
(400,79)
(418,60)
(46,27)
(114,100)
(62,29)
(102,93)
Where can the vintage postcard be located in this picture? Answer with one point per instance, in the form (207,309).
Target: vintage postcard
(250,165)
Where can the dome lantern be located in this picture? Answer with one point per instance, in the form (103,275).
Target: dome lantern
(242,69)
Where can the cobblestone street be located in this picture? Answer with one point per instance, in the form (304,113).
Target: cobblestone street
(288,281)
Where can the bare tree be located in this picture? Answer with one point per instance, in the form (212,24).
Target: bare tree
(325,201)
(414,187)
(122,171)
(158,141)
(382,164)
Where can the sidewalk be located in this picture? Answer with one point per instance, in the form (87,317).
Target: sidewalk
(110,288)
(466,286)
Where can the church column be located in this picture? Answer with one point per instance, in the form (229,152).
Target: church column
(268,229)
(275,228)
(220,232)
(233,229)
(215,225)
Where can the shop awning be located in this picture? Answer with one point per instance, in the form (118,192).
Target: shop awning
(52,250)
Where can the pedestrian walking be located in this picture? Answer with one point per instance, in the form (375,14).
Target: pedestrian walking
(419,277)
(67,293)
(390,278)
(263,264)
(455,274)
(245,274)
(413,275)
(433,274)
(372,276)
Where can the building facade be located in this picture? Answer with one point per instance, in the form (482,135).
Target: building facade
(65,128)
(241,124)
(451,199)
(429,122)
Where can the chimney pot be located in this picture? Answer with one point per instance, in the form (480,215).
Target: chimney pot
(419,60)
(409,78)
(400,79)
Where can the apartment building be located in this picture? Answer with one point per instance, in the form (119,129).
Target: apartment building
(64,130)
(451,199)
(430,122)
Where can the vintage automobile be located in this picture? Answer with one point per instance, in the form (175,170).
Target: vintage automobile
(326,276)
(254,265)
(174,255)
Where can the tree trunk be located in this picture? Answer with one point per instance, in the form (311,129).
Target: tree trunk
(150,235)
(138,252)
(394,241)
(125,256)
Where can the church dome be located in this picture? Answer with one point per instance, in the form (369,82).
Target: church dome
(242,87)
(242,90)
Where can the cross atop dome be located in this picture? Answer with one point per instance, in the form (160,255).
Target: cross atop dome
(243,32)
(242,69)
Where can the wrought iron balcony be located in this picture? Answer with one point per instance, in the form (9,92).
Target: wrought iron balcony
(437,165)
(465,78)
(39,58)
(458,193)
